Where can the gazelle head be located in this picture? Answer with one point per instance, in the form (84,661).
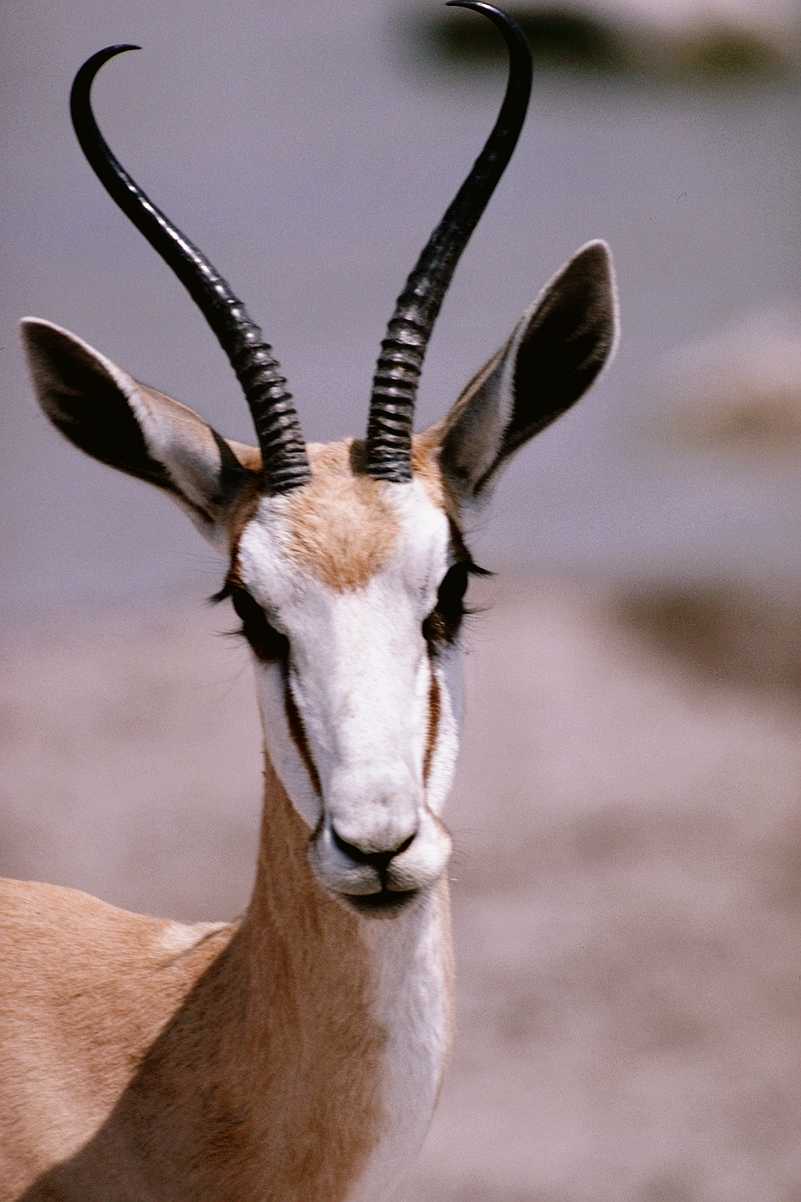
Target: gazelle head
(346,563)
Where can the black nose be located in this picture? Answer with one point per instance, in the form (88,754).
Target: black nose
(380,860)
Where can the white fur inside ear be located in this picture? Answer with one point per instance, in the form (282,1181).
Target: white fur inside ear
(176,440)
(613,293)
(479,419)
(179,440)
(556,352)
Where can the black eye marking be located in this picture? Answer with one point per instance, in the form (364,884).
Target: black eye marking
(267,643)
(441,627)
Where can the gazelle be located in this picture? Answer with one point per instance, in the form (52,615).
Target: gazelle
(294,1055)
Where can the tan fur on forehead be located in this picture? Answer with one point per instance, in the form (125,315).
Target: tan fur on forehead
(343,527)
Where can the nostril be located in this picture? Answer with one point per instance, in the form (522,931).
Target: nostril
(402,847)
(376,859)
(347,849)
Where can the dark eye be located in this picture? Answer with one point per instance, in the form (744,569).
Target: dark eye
(267,642)
(442,624)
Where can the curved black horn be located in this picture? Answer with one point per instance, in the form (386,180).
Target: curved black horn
(389,430)
(286,464)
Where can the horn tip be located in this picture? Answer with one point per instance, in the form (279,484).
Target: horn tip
(110,51)
(498,16)
(476,5)
(85,77)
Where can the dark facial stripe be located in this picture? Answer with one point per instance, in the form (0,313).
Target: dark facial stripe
(434,711)
(298,735)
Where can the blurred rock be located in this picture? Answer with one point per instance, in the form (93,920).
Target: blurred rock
(725,635)
(741,388)
(719,38)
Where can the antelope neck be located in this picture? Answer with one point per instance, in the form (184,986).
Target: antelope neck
(349,1019)
(311,1036)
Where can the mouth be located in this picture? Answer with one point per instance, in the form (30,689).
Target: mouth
(385,903)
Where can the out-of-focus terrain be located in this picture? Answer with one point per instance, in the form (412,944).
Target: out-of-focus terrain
(627,881)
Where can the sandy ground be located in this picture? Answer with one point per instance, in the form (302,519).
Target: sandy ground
(627,881)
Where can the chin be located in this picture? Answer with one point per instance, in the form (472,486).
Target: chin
(386,903)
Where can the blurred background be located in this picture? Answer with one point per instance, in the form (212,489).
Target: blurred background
(628,880)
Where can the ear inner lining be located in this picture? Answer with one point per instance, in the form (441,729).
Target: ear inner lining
(89,408)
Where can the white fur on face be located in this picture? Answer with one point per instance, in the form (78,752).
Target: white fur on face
(360,675)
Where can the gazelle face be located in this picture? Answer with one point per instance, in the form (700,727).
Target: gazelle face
(349,587)
(350,594)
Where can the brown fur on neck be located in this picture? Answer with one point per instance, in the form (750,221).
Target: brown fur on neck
(246,1066)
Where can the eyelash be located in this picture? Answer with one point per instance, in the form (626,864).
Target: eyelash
(442,625)
(267,643)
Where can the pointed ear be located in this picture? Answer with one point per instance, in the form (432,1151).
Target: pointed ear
(552,358)
(123,423)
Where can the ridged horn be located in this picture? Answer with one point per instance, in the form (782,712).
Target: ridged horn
(286,464)
(397,374)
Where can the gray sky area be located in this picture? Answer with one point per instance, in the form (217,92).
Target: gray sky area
(309,149)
